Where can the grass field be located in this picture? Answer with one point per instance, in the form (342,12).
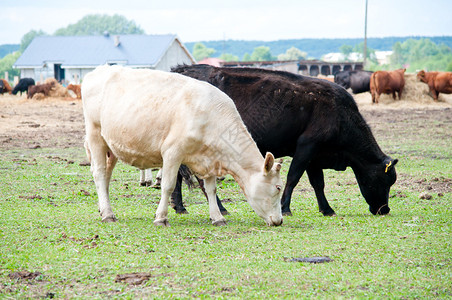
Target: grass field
(49,224)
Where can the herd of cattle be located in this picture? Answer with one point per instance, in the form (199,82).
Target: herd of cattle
(28,85)
(230,121)
(236,121)
(392,82)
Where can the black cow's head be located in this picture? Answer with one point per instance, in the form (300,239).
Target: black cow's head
(375,181)
(343,79)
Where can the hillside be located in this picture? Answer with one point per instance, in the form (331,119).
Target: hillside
(7,49)
(314,47)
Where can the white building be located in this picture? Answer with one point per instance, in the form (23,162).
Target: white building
(70,58)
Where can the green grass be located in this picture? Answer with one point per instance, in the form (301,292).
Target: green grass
(49,223)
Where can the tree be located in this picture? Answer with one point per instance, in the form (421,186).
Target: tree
(228,57)
(6,64)
(370,53)
(246,57)
(420,54)
(346,50)
(28,37)
(261,53)
(293,54)
(200,51)
(449,67)
(98,24)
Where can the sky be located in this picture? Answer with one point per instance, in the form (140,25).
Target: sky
(207,20)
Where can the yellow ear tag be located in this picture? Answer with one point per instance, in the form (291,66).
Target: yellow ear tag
(387,166)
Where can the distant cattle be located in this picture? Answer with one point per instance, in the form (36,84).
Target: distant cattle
(358,81)
(40,88)
(166,119)
(387,82)
(23,85)
(76,89)
(314,121)
(438,82)
(5,87)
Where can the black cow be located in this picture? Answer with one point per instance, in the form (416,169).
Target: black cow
(312,120)
(22,85)
(358,81)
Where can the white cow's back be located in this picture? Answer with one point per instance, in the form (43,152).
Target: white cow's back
(142,113)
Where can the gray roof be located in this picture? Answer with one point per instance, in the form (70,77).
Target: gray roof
(91,51)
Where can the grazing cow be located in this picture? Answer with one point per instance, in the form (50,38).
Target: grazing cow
(387,82)
(314,121)
(5,87)
(358,81)
(22,85)
(166,119)
(438,82)
(40,88)
(76,89)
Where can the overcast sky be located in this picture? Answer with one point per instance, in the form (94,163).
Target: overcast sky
(204,20)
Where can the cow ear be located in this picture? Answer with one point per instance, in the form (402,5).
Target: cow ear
(268,163)
(390,164)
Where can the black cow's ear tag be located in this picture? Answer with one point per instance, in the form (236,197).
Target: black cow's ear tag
(390,165)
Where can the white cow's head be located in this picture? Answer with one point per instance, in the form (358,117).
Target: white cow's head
(264,192)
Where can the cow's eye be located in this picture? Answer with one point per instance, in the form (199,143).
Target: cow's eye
(278,187)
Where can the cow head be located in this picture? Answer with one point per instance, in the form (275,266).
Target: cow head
(421,76)
(264,192)
(343,79)
(375,181)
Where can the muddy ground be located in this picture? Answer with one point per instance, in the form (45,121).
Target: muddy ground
(58,123)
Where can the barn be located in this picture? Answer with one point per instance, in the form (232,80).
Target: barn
(69,58)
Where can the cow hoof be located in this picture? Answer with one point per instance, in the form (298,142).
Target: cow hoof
(224,212)
(109,219)
(329,214)
(287,213)
(219,223)
(181,212)
(162,222)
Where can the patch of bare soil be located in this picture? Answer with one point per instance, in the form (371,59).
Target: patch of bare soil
(47,123)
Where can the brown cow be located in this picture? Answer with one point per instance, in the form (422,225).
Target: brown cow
(40,88)
(76,89)
(387,82)
(438,82)
(5,87)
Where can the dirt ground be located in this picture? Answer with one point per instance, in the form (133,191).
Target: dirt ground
(58,122)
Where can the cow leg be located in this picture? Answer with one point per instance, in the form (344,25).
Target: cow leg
(216,217)
(220,205)
(394,95)
(102,164)
(303,153)
(158,180)
(317,181)
(169,177)
(176,197)
(435,95)
(146,177)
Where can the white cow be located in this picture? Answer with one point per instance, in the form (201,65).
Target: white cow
(151,118)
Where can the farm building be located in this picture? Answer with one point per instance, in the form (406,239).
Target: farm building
(70,58)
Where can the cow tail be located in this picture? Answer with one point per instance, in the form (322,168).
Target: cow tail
(373,86)
(186,174)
